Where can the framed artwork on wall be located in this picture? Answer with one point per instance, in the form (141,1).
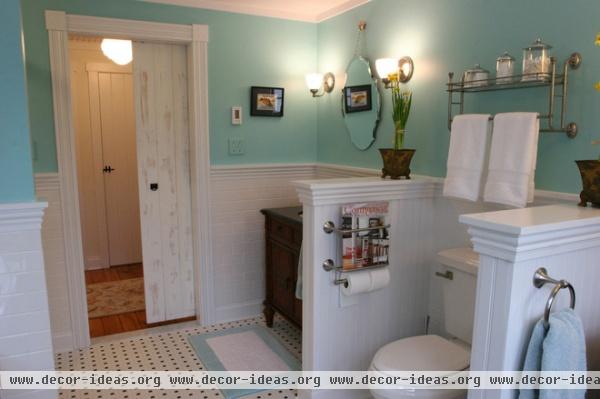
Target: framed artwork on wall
(266,101)
(357,98)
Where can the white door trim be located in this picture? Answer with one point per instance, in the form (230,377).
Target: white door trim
(59,26)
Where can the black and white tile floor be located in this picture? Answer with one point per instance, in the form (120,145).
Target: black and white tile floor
(162,349)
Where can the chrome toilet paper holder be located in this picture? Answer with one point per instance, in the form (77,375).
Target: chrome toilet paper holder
(329,265)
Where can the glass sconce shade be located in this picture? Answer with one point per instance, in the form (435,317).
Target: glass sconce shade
(314,81)
(119,51)
(386,67)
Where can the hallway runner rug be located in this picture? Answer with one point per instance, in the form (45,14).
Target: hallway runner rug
(115,297)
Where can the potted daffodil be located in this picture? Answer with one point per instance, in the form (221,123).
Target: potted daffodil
(396,161)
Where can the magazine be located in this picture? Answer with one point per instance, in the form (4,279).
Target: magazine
(370,244)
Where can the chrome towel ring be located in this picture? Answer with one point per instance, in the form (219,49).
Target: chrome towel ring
(540,278)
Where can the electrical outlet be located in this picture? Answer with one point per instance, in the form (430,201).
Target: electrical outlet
(236,146)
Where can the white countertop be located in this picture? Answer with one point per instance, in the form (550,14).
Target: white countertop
(534,220)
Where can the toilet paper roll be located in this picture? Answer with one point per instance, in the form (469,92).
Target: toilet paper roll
(380,278)
(358,283)
(365,281)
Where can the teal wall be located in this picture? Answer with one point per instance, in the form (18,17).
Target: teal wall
(441,36)
(444,36)
(16,177)
(243,51)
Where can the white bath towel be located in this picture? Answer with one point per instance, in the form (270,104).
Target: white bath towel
(466,156)
(513,158)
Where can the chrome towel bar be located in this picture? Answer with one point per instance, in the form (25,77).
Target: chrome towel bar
(540,278)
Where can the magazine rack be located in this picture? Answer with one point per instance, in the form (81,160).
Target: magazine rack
(329,264)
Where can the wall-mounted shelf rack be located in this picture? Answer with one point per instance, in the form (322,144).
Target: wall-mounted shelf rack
(329,265)
(551,81)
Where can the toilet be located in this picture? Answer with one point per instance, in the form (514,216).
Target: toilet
(432,352)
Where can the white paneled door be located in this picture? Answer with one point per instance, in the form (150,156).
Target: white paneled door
(120,167)
(107,166)
(161,102)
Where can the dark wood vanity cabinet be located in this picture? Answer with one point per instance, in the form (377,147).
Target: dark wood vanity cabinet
(283,236)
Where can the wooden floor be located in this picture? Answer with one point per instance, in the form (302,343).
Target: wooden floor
(114,324)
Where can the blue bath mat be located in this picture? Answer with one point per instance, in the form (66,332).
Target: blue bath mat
(247,348)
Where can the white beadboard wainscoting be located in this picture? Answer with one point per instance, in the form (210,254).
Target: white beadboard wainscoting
(237,195)
(513,244)
(346,338)
(25,337)
(238,231)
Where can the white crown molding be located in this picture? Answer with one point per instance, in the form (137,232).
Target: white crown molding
(335,11)
(250,9)
(21,216)
(529,233)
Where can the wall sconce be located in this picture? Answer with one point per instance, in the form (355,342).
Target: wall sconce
(392,71)
(316,81)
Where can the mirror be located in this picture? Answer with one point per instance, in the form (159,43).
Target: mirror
(361,103)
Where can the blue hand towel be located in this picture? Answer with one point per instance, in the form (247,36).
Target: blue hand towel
(562,348)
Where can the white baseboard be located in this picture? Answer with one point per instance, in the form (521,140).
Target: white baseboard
(238,311)
(95,263)
(62,342)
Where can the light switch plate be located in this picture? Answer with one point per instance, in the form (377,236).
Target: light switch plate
(236,146)
(236,115)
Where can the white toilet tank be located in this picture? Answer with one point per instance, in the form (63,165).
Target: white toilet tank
(459,292)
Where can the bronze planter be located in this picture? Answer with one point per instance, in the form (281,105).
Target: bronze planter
(396,163)
(590,177)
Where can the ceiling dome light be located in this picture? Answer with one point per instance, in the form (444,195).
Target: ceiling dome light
(119,51)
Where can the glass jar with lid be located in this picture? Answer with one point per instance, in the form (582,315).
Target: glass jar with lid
(476,77)
(505,68)
(536,61)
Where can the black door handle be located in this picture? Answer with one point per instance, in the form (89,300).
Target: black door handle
(153,186)
(108,169)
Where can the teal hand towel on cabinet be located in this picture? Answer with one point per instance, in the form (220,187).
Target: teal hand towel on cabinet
(562,348)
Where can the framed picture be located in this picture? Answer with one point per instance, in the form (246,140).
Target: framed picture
(266,101)
(358,98)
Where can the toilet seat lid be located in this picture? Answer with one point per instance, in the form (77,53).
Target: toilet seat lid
(422,353)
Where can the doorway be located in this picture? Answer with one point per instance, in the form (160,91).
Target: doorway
(60,25)
(132,151)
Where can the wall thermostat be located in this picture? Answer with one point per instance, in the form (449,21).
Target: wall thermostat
(236,115)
